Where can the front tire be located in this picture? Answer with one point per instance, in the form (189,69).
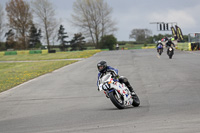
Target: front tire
(170,56)
(160,52)
(119,103)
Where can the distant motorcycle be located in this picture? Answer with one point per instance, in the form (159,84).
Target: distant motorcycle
(170,52)
(118,93)
(160,49)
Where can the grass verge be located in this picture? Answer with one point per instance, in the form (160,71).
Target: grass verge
(50,56)
(136,46)
(13,74)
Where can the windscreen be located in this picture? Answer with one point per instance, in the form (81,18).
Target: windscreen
(104,78)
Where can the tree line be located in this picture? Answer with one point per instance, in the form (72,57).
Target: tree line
(145,36)
(29,22)
(24,25)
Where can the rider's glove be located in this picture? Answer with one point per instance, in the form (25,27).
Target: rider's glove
(116,77)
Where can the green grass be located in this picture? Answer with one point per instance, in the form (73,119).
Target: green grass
(135,46)
(49,56)
(130,46)
(13,74)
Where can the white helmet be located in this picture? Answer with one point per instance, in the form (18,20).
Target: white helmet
(159,41)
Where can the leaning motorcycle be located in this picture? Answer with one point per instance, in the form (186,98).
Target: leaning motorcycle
(118,93)
(170,52)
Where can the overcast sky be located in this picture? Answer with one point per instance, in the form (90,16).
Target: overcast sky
(131,14)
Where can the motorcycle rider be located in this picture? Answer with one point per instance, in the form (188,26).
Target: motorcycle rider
(159,45)
(104,69)
(169,44)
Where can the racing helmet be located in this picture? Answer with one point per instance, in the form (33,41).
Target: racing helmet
(102,66)
(159,41)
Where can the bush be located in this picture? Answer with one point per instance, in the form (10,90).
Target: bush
(121,43)
(108,41)
(2,46)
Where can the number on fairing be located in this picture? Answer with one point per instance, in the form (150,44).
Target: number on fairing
(105,86)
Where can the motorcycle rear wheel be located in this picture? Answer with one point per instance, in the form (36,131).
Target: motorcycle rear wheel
(119,103)
(136,101)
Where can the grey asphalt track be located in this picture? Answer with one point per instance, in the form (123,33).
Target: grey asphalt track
(67,100)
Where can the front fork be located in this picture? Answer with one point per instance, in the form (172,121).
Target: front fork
(107,93)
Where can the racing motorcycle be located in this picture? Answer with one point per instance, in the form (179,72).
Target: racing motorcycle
(118,93)
(160,49)
(170,52)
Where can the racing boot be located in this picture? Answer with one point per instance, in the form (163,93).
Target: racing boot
(124,80)
(133,94)
(131,90)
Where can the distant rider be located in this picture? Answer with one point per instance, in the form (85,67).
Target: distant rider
(104,69)
(169,44)
(159,45)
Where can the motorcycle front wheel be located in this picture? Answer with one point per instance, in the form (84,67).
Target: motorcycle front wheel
(170,55)
(118,102)
(160,52)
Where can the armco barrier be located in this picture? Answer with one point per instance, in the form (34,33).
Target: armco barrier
(35,51)
(184,46)
(149,47)
(189,47)
(52,51)
(44,51)
(2,53)
(10,52)
(22,52)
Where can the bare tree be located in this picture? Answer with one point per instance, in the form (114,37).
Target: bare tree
(93,17)
(140,34)
(1,22)
(107,25)
(20,19)
(45,13)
